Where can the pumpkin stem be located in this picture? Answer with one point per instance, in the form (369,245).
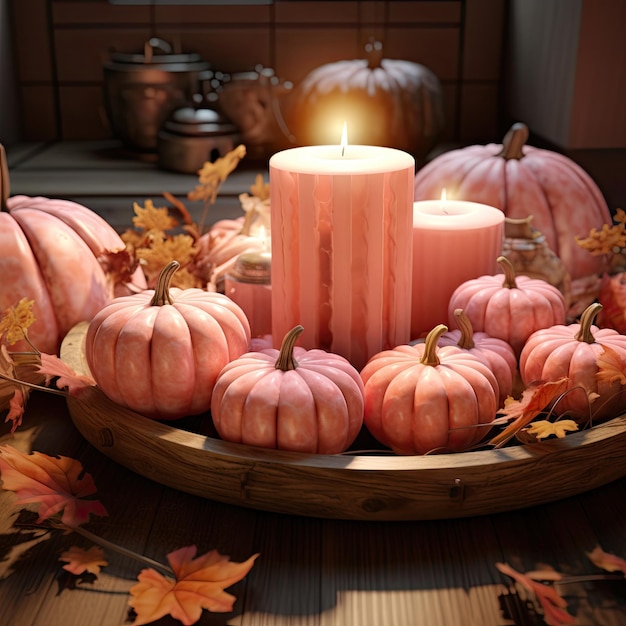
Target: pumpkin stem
(586,320)
(285,360)
(5,187)
(509,273)
(514,141)
(466,340)
(374,53)
(430,345)
(162,290)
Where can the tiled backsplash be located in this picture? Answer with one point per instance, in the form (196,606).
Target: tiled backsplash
(61,45)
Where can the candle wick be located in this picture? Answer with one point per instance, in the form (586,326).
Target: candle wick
(343,149)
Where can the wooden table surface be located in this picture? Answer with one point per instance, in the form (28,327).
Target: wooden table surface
(310,571)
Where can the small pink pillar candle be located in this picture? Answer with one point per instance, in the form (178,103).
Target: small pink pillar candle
(453,241)
(341,247)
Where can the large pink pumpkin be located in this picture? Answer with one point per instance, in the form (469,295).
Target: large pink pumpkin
(51,252)
(290,399)
(159,352)
(522,180)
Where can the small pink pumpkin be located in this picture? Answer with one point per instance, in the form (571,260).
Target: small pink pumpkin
(507,306)
(574,351)
(496,353)
(425,398)
(290,399)
(159,352)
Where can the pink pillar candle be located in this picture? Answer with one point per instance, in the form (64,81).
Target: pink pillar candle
(341,247)
(453,241)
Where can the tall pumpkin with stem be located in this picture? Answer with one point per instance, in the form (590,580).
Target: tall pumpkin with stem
(522,180)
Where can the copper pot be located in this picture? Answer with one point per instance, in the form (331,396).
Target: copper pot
(141,90)
(192,136)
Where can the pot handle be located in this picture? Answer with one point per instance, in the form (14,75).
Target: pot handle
(152,44)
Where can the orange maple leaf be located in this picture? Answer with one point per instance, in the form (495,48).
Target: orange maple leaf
(542,429)
(199,584)
(606,561)
(535,398)
(51,366)
(611,367)
(78,560)
(54,483)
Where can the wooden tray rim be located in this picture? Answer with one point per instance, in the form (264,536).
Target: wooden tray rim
(93,412)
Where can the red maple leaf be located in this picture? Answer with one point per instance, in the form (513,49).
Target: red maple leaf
(199,584)
(51,366)
(535,398)
(55,484)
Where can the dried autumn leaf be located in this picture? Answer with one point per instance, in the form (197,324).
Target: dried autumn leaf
(199,584)
(535,398)
(542,429)
(611,367)
(119,265)
(17,404)
(161,252)
(607,240)
(260,189)
(212,175)
(151,218)
(606,561)
(56,484)
(12,395)
(78,560)
(552,603)
(52,367)
(16,320)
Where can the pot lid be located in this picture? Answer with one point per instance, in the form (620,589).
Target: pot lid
(199,121)
(156,52)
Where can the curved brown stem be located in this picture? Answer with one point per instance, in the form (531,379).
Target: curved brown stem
(374,54)
(586,321)
(285,360)
(430,346)
(514,142)
(466,341)
(509,272)
(162,289)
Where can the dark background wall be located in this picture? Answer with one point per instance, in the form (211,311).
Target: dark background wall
(60,47)
(558,65)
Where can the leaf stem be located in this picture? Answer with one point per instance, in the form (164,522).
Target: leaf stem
(104,543)
(23,383)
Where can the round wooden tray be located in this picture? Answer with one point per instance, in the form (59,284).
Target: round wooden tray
(348,486)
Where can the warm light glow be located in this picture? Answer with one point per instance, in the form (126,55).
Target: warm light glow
(344,138)
(443,194)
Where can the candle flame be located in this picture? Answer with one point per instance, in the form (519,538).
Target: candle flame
(443,201)
(344,138)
